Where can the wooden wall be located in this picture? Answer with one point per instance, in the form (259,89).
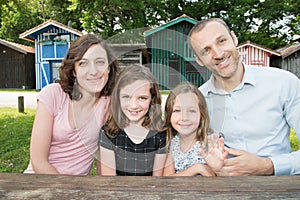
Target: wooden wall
(17,69)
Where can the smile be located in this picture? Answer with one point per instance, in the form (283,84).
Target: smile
(223,62)
(94,80)
(134,112)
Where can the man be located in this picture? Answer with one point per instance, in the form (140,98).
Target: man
(254,107)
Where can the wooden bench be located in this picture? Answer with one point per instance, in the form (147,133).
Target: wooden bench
(25,186)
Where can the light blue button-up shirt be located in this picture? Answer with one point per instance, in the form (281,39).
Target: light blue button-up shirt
(258,114)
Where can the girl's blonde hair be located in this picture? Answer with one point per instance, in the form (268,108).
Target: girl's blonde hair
(153,118)
(203,128)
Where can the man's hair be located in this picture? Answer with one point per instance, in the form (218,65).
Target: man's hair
(201,24)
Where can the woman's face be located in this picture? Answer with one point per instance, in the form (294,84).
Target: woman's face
(92,70)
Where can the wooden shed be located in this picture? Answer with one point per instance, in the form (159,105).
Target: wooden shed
(16,65)
(289,58)
(130,54)
(172,60)
(52,40)
(255,54)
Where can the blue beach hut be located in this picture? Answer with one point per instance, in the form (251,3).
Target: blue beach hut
(52,40)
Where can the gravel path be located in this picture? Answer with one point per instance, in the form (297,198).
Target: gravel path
(10,99)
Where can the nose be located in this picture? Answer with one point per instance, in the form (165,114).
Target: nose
(93,69)
(184,115)
(218,52)
(133,103)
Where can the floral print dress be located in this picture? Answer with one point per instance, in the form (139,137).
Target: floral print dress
(185,160)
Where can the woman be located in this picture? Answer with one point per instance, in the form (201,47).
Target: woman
(71,112)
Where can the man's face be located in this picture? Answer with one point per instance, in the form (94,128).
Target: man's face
(215,48)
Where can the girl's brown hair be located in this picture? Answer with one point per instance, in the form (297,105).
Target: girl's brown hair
(203,128)
(75,53)
(117,120)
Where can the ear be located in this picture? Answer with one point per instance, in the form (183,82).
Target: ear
(234,38)
(198,60)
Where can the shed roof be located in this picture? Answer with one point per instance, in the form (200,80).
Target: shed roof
(288,50)
(18,47)
(249,43)
(31,33)
(183,17)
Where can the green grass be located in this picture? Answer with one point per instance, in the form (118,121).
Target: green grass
(294,141)
(15,132)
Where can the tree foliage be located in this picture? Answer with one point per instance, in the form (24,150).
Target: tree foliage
(272,23)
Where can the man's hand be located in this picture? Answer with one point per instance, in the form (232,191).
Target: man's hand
(246,164)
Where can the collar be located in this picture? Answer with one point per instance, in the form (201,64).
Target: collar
(248,79)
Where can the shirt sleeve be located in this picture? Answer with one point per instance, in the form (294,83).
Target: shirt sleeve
(289,164)
(104,140)
(52,97)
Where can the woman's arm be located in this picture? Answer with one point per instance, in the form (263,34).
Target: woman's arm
(159,163)
(107,162)
(169,168)
(40,141)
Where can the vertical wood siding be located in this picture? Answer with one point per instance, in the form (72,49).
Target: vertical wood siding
(254,56)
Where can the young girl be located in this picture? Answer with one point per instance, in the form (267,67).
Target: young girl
(187,124)
(132,143)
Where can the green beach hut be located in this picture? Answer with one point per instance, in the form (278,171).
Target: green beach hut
(172,60)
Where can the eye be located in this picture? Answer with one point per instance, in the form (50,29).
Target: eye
(83,63)
(193,110)
(222,41)
(125,97)
(143,98)
(100,62)
(205,52)
(176,110)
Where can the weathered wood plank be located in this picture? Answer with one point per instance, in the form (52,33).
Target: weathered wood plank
(20,186)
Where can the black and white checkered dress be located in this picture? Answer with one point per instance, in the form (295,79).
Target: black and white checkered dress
(134,159)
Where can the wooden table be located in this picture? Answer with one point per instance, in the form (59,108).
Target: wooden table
(21,186)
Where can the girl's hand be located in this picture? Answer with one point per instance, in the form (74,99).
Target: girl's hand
(216,154)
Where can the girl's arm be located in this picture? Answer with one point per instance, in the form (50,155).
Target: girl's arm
(106,165)
(193,170)
(40,141)
(159,163)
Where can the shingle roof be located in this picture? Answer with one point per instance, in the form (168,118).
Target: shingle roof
(288,50)
(26,34)
(18,47)
(249,43)
(183,17)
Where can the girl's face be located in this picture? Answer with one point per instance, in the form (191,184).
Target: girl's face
(92,70)
(185,116)
(135,100)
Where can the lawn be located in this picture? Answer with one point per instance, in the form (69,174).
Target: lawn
(15,131)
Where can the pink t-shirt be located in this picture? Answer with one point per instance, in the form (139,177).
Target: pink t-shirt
(72,151)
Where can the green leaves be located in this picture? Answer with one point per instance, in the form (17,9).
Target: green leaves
(271,23)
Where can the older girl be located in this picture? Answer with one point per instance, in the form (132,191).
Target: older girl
(133,143)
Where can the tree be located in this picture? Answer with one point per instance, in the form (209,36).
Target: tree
(110,17)
(16,19)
